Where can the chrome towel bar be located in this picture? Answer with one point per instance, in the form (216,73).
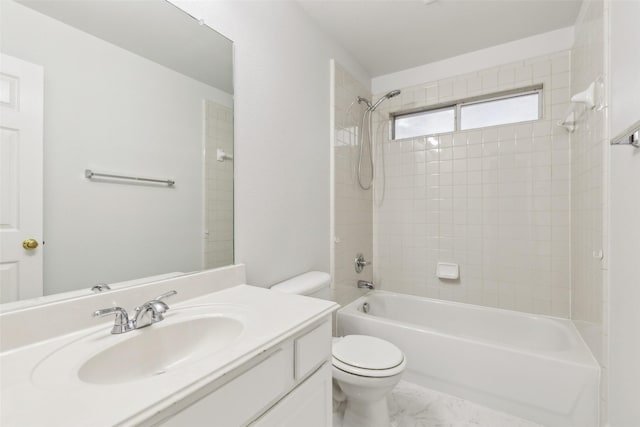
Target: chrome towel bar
(88,173)
(631,136)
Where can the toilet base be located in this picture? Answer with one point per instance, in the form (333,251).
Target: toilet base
(359,413)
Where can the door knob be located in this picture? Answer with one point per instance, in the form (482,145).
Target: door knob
(30,244)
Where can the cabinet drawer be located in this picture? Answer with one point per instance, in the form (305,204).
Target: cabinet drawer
(312,349)
(241,399)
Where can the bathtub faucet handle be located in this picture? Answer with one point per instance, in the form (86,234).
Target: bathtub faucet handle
(360,263)
(363,284)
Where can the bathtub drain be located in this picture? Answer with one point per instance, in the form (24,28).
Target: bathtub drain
(365,307)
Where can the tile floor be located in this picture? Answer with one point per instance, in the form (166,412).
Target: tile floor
(413,406)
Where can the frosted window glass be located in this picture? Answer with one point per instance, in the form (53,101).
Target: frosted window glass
(425,123)
(500,111)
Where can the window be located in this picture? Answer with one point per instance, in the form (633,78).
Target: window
(425,123)
(514,109)
(498,109)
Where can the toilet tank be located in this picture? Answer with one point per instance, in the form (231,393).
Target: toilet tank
(316,284)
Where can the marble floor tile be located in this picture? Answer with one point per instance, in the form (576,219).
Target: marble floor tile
(413,406)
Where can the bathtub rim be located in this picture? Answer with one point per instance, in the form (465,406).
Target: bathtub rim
(579,352)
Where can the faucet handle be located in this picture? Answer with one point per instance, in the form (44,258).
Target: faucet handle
(360,263)
(122,322)
(165,295)
(152,311)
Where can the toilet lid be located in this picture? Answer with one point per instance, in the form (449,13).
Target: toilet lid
(367,352)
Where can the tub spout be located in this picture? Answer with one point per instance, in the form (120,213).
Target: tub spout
(363,284)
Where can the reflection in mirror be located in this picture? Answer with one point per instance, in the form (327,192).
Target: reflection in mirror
(130,88)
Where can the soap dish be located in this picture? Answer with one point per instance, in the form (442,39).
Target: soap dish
(448,270)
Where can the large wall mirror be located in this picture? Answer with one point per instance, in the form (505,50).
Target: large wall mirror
(129,89)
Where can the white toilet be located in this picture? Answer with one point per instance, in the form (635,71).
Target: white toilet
(365,368)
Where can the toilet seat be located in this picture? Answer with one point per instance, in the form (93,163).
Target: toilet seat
(367,356)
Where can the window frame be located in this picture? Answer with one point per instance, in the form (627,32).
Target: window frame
(457,108)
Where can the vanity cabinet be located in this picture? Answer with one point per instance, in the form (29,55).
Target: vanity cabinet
(287,385)
(307,405)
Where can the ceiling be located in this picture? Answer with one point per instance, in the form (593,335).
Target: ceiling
(386,36)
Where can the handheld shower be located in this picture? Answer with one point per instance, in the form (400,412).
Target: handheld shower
(372,107)
(384,98)
(366,121)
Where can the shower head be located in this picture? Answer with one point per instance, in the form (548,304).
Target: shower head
(392,94)
(386,96)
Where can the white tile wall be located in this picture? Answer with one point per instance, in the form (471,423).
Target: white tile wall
(494,200)
(218,186)
(353,206)
(589,147)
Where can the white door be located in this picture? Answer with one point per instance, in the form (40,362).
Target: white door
(21,115)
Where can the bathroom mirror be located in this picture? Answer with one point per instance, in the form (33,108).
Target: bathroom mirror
(132,89)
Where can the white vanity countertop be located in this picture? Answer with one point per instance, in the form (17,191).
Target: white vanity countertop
(31,394)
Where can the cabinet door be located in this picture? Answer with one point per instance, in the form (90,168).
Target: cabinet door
(307,405)
(311,350)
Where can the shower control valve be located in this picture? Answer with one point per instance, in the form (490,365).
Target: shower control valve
(360,263)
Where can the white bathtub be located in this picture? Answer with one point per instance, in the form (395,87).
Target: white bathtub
(535,367)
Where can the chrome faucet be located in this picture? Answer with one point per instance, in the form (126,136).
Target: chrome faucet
(122,323)
(363,284)
(152,311)
(147,314)
(100,287)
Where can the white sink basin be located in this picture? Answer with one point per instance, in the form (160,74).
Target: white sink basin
(158,348)
(185,337)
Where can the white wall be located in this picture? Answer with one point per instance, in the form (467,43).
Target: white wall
(625,64)
(624,268)
(282,129)
(518,50)
(144,120)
